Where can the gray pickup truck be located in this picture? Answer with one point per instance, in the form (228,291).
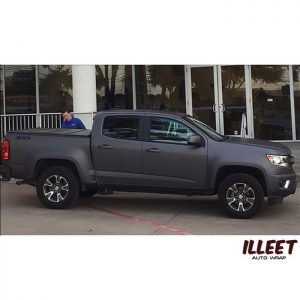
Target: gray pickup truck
(143,151)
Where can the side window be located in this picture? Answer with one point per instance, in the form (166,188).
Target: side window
(169,131)
(119,127)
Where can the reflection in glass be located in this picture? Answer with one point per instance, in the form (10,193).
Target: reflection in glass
(20,92)
(296,77)
(234,98)
(55,88)
(271,102)
(119,127)
(203,95)
(169,131)
(114,87)
(160,87)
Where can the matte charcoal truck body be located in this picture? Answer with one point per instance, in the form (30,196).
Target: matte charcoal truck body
(154,151)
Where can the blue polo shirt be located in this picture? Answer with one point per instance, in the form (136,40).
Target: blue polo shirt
(75,123)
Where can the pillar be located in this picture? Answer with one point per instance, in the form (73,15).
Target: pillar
(84,93)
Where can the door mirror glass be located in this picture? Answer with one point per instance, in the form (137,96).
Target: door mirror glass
(195,140)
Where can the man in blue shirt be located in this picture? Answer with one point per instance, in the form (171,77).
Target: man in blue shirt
(71,122)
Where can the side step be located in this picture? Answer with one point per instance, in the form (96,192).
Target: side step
(20,182)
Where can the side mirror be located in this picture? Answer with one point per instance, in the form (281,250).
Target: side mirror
(195,140)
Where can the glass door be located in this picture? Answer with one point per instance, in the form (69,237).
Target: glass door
(220,97)
(232,95)
(202,94)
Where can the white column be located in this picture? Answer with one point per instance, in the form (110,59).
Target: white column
(84,92)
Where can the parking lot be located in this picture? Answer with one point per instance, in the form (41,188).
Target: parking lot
(137,213)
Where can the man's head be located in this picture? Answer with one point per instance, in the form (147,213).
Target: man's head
(67,115)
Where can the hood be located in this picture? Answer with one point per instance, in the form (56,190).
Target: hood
(260,143)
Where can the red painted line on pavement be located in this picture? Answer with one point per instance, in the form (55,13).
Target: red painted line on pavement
(141,220)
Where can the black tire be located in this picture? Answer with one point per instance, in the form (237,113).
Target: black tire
(57,187)
(241,196)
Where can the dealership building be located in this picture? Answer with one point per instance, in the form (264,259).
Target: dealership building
(259,101)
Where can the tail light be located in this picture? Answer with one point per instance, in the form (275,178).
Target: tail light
(5,150)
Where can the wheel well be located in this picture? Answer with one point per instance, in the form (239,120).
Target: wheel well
(229,170)
(44,164)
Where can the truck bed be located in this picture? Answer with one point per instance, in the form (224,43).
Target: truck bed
(30,146)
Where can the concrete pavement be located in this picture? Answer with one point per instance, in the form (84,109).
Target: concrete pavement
(147,214)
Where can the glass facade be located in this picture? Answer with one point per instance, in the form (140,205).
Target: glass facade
(55,88)
(271,102)
(234,98)
(203,95)
(160,87)
(214,94)
(114,87)
(20,89)
(296,78)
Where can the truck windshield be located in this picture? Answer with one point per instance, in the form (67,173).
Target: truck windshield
(205,128)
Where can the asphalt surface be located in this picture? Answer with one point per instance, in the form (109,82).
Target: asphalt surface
(137,213)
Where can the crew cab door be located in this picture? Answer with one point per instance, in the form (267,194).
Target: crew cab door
(117,149)
(168,161)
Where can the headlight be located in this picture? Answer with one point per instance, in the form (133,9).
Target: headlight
(278,160)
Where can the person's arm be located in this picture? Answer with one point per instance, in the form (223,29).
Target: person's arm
(63,124)
(80,124)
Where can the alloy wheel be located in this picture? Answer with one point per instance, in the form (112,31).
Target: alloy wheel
(56,188)
(240,197)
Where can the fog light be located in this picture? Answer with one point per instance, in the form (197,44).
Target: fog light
(284,184)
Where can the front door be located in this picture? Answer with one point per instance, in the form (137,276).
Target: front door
(168,162)
(219,97)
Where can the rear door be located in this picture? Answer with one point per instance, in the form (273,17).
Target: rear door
(168,162)
(117,149)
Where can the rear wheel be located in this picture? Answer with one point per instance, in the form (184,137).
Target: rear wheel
(241,195)
(57,187)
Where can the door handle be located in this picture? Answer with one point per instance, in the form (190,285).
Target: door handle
(222,107)
(105,146)
(214,107)
(153,150)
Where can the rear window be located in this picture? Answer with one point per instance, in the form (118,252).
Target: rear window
(120,127)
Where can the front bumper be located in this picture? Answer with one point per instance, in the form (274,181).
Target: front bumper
(5,174)
(280,186)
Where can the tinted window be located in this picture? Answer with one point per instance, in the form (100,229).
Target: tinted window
(271,102)
(55,88)
(114,86)
(160,87)
(169,131)
(20,89)
(121,127)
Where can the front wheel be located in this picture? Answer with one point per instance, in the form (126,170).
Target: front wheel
(241,196)
(57,187)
